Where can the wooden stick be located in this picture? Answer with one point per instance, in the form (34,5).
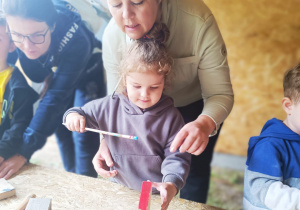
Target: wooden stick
(110,133)
(23,204)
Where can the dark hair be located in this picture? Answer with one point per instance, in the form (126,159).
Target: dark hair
(291,83)
(148,53)
(2,19)
(38,10)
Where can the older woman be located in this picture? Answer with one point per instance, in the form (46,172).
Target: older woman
(56,47)
(201,89)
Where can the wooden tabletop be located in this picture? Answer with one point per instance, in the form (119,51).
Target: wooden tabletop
(72,191)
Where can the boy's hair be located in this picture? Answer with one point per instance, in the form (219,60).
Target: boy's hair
(291,83)
(37,10)
(148,54)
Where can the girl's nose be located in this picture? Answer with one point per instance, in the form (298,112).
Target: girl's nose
(144,93)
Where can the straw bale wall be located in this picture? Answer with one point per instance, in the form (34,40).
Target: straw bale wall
(263,41)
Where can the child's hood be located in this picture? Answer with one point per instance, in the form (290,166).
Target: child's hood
(163,104)
(273,129)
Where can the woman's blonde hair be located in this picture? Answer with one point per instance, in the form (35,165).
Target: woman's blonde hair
(147,54)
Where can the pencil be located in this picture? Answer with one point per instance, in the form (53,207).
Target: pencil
(111,134)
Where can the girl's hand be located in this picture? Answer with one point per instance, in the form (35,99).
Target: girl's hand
(1,159)
(193,137)
(75,122)
(167,192)
(11,166)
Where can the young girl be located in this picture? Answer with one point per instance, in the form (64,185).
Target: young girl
(143,111)
(56,47)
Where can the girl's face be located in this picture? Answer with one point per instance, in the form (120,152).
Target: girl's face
(144,89)
(134,17)
(19,27)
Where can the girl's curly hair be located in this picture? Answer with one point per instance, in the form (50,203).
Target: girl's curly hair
(148,54)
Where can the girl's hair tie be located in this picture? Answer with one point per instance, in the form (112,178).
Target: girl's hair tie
(147,37)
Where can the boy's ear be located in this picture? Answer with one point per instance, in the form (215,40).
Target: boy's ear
(287,105)
(12,47)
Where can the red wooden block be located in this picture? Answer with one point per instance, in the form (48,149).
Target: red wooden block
(145,197)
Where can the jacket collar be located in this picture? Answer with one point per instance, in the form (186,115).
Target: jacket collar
(169,16)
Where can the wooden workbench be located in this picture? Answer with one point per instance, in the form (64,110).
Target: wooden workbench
(72,191)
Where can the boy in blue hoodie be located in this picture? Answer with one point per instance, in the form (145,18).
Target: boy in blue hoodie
(272,175)
(16,105)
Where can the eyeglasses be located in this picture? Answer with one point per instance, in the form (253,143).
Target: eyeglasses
(34,38)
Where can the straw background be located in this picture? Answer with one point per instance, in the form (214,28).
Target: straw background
(263,41)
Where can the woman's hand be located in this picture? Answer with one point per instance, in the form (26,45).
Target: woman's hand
(75,122)
(1,160)
(167,192)
(193,137)
(102,161)
(12,165)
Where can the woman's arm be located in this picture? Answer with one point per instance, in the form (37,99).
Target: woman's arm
(216,88)
(214,73)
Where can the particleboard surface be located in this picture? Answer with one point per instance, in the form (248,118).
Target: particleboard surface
(263,41)
(72,191)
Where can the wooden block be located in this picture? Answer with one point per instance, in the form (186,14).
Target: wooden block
(6,189)
(145,197)
(25,201)
(39,204)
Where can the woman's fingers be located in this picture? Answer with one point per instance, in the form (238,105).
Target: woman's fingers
(192,138)
(103,161)
(178,140)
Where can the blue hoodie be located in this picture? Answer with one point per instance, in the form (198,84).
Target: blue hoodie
(272,174)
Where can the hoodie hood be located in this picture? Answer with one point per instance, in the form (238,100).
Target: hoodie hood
(273,129)
(164,103)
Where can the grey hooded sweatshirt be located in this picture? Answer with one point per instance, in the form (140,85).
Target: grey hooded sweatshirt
(149,157)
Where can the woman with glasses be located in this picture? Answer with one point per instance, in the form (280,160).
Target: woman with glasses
(57,49)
